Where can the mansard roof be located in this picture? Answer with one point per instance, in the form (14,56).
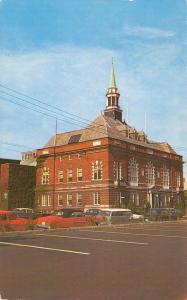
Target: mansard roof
(106,127)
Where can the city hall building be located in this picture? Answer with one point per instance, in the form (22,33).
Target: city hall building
(107,164)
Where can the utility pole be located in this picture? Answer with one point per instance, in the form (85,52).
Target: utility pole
(54,165)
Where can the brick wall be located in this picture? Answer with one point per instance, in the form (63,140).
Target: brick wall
(18,183)
(83,155)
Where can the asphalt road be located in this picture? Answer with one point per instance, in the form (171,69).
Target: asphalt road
(131,262)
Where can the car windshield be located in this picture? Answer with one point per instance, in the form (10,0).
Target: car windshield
(65,213)
(77,214)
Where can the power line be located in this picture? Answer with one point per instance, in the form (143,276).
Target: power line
(16,145)
(41,112)
(65,120)
(6,148)
(44,103)
(72,120)
(23,100)
(51,116)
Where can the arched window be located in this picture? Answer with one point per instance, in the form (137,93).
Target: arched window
(150,174)
(97,170)
(165,177)
(133,172)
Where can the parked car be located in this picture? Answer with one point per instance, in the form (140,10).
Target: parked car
(11,221)
(162,214)
(23,210)
(110,216)
(92,211)
(175,213)
(26,213)
(67,212)
(64,218)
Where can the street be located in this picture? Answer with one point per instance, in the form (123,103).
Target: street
(131,262)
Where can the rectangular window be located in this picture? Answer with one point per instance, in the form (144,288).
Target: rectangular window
(45,175)
(121,197)
(69,175)
(132,197)
(97,170)
(177,179)
(137,200)
(79,155)
(61,157)
(60,200)
(44,200)
(38,201)
(118,170)
(165,177)
(79,199)
(133,172)
(49,202)
(151,175)
(69,199)
(60,176)
(79,174)
(96,198)
(69,156)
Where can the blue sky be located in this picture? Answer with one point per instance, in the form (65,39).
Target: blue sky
(60,51)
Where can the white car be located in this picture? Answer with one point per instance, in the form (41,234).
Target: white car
(137,217)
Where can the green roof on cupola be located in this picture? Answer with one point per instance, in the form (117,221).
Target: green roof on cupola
(113,78)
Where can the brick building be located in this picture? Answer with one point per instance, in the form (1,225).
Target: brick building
(108,163)
(185,196)
(17,184)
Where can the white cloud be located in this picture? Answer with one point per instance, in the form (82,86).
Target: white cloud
(147,32)
(76,80)
(71,78)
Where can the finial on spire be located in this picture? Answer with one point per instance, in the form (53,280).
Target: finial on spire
(113,79)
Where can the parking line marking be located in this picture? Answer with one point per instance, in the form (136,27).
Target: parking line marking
(141,234)
(92,239)
(159,229)
(146,225)
(44,248)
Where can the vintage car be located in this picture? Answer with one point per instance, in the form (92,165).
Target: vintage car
(10,221)
(26,213)
(162,214)
(109,216)
(65,218)
(92,211)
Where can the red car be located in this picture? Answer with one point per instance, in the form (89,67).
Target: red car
(9,221)
(65,218)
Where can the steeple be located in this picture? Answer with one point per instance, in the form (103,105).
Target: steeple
(113,78)
(112,109)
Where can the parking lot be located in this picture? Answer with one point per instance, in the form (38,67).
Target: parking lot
(131,262)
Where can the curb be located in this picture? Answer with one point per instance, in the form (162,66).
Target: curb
(15,233)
